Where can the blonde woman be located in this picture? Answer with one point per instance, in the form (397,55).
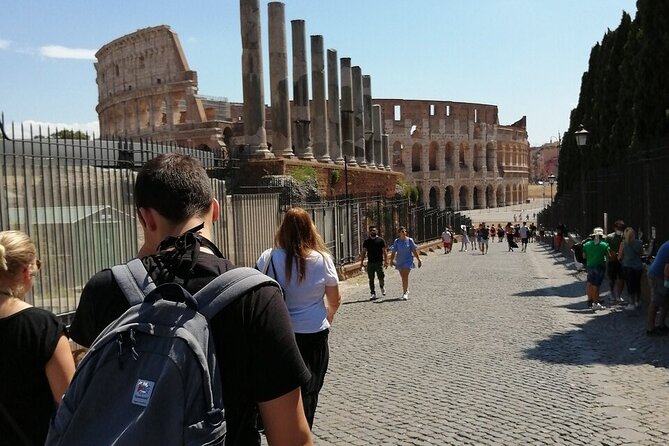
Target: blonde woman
(301,264)
(37,364)
(629,254)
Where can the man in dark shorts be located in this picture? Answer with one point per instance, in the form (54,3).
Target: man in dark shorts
(261,367)
(375,249)
(614,269)
(595,251)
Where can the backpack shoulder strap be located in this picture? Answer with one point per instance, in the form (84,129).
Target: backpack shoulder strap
(228,287)
(134,281)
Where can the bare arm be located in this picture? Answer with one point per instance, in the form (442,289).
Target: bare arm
(363,253)
(60,368)
(333,300)
(284,420)
(417,256)
(621,252)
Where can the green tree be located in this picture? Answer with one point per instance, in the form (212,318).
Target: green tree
(69,134)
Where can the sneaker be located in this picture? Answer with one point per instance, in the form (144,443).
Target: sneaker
(630,307)
(597,306)
(373,296)
(383,291)
(405,296)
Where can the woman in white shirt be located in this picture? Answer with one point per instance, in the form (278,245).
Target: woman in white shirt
(301,264)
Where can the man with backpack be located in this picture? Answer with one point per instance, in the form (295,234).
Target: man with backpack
(261,369)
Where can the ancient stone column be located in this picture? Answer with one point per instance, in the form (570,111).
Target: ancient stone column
(386,151)
(319,117)
(302,136)
(378,130)
(255,136)
(334,128)
(347,112)
(282,144)
(369,122)
(358,117)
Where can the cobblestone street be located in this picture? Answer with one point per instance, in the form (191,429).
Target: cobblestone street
(491,350)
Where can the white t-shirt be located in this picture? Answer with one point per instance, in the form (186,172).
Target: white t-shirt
(305,299)
(446,236)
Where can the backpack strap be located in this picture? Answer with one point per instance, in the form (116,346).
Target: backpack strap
(134,281)
(228,287)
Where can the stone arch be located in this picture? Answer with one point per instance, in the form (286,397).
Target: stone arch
(162,112)
(421,195)
(416,153)
(478,157)
(479,198)
(434,198)
(397,154)
(521,193)
(490,155)
(432,155)
(489,196)
(514,194)
(500,195)
(449,197)
(462,155)
(449,155)
(508,200)
(463,198)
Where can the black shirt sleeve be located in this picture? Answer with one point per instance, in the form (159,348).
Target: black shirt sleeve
(100,303)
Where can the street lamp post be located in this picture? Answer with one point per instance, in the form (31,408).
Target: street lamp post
(551,180)
(581,136)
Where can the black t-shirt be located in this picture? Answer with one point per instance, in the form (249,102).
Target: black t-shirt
(253,336)
(483,233)
(374,247)
(27,342)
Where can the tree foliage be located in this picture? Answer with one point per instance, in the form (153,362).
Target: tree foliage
(624,97)
(69,134)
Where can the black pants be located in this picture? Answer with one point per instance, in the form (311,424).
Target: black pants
(316,354)
(375,268)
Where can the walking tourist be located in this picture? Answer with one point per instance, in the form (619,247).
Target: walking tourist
(629,253)
(447,239)
(262,369)
(595,251)
(465,238)
(524,235)
(37,364)
(374,248)
(307,274)
(658,281)
(614,269)
(509,237)
(404,249)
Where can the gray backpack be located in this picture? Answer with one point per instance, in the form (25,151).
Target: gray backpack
(152,377)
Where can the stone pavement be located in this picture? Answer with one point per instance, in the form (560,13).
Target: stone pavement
(491,350)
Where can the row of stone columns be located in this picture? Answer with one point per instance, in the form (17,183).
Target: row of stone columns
(347,128)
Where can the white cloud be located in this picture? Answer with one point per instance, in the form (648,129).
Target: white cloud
(47,128)
(4,44)
(61,52)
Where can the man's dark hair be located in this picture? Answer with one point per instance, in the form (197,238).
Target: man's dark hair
(372,227)
(175,185)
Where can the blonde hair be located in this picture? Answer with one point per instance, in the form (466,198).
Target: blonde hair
(297,235)
(16,252)
(629,235)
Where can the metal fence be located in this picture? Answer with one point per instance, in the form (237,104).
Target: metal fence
(635,192)
(74,198)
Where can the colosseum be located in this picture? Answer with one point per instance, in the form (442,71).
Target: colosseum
(457,154)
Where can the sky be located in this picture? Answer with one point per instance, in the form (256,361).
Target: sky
(524,56)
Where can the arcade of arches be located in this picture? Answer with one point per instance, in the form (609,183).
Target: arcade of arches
(457,162)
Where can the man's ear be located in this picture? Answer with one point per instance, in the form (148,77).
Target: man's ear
(147,219)
(215,208)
